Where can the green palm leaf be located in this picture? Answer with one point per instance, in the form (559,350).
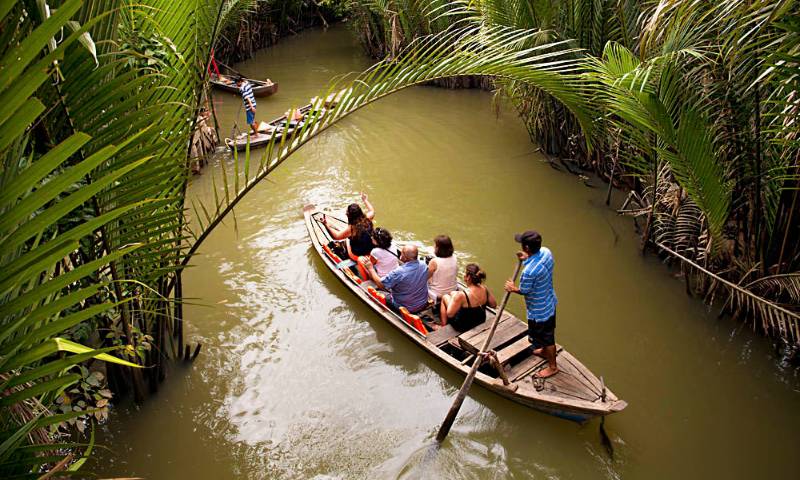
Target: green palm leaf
(466,51)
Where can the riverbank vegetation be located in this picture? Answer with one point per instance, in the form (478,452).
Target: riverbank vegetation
(691,107)
(695,109)
(95,173)
(98,102)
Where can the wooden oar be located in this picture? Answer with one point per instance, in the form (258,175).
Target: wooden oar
(462,394)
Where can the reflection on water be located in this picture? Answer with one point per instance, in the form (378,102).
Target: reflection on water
(297,379)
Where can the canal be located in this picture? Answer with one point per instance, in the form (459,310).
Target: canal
(298,379)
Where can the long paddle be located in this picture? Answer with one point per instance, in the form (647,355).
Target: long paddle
(462,394)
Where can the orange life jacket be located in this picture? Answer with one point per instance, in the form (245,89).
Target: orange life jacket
(332,255)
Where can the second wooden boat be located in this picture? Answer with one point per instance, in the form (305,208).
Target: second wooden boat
(280,127)
(267,130)
(261,88)
(575,393)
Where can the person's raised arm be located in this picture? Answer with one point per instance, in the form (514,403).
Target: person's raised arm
(525,281)
(370,213)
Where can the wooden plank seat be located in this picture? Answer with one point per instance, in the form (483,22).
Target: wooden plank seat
(443,335)
(508,352)
(509,329)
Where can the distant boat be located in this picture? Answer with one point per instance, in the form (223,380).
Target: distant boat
(228,83)
(266,130)
(575,393)
(279,127)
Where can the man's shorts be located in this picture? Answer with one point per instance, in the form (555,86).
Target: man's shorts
(251,116)
(542,334)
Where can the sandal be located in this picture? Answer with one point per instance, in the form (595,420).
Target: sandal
(538,383)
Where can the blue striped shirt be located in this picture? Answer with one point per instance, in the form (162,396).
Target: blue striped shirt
(247,94)
(536,284)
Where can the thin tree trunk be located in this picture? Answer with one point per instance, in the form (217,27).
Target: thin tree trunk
(788,227)
(760,243)
(651,214)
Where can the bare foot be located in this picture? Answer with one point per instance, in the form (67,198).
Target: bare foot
(546,372)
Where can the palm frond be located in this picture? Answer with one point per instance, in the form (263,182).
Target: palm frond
(466,51)
(113,158)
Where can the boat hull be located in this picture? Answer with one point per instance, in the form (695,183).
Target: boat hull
(277,128)
(521,390)
(260,89)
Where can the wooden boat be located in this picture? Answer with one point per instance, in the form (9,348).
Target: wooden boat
(279,127)
(575,393)
(266,130)
(261,88)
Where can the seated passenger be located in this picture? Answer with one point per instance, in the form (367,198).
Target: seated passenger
(384,260)
(407,284)
(442,269)
(467,309)
(358,231)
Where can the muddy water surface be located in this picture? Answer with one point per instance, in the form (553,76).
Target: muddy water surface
(297,379)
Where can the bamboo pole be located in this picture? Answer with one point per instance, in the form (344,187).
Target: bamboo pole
(462,393)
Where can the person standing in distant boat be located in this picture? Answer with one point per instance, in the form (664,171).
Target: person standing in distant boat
(249,101)
(536,285)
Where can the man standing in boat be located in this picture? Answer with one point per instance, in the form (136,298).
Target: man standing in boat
(536,285)
(249,101)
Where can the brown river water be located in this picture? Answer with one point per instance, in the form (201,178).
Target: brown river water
(298,379)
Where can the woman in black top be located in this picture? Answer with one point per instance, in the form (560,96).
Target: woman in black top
(358,231)
(466,309)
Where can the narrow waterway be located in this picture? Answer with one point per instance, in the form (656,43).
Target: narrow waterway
(298,379)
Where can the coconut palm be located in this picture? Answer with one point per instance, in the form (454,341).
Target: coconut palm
(695,107)
(97,126)
(93,173)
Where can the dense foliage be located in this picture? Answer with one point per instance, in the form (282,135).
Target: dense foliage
(694,106)
(696,115)
(98,100)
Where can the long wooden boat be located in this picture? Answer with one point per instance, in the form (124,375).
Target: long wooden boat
(266,130)
(261,88)
(575,393)
(279,127)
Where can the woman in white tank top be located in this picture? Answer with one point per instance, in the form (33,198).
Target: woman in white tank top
(442,269)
